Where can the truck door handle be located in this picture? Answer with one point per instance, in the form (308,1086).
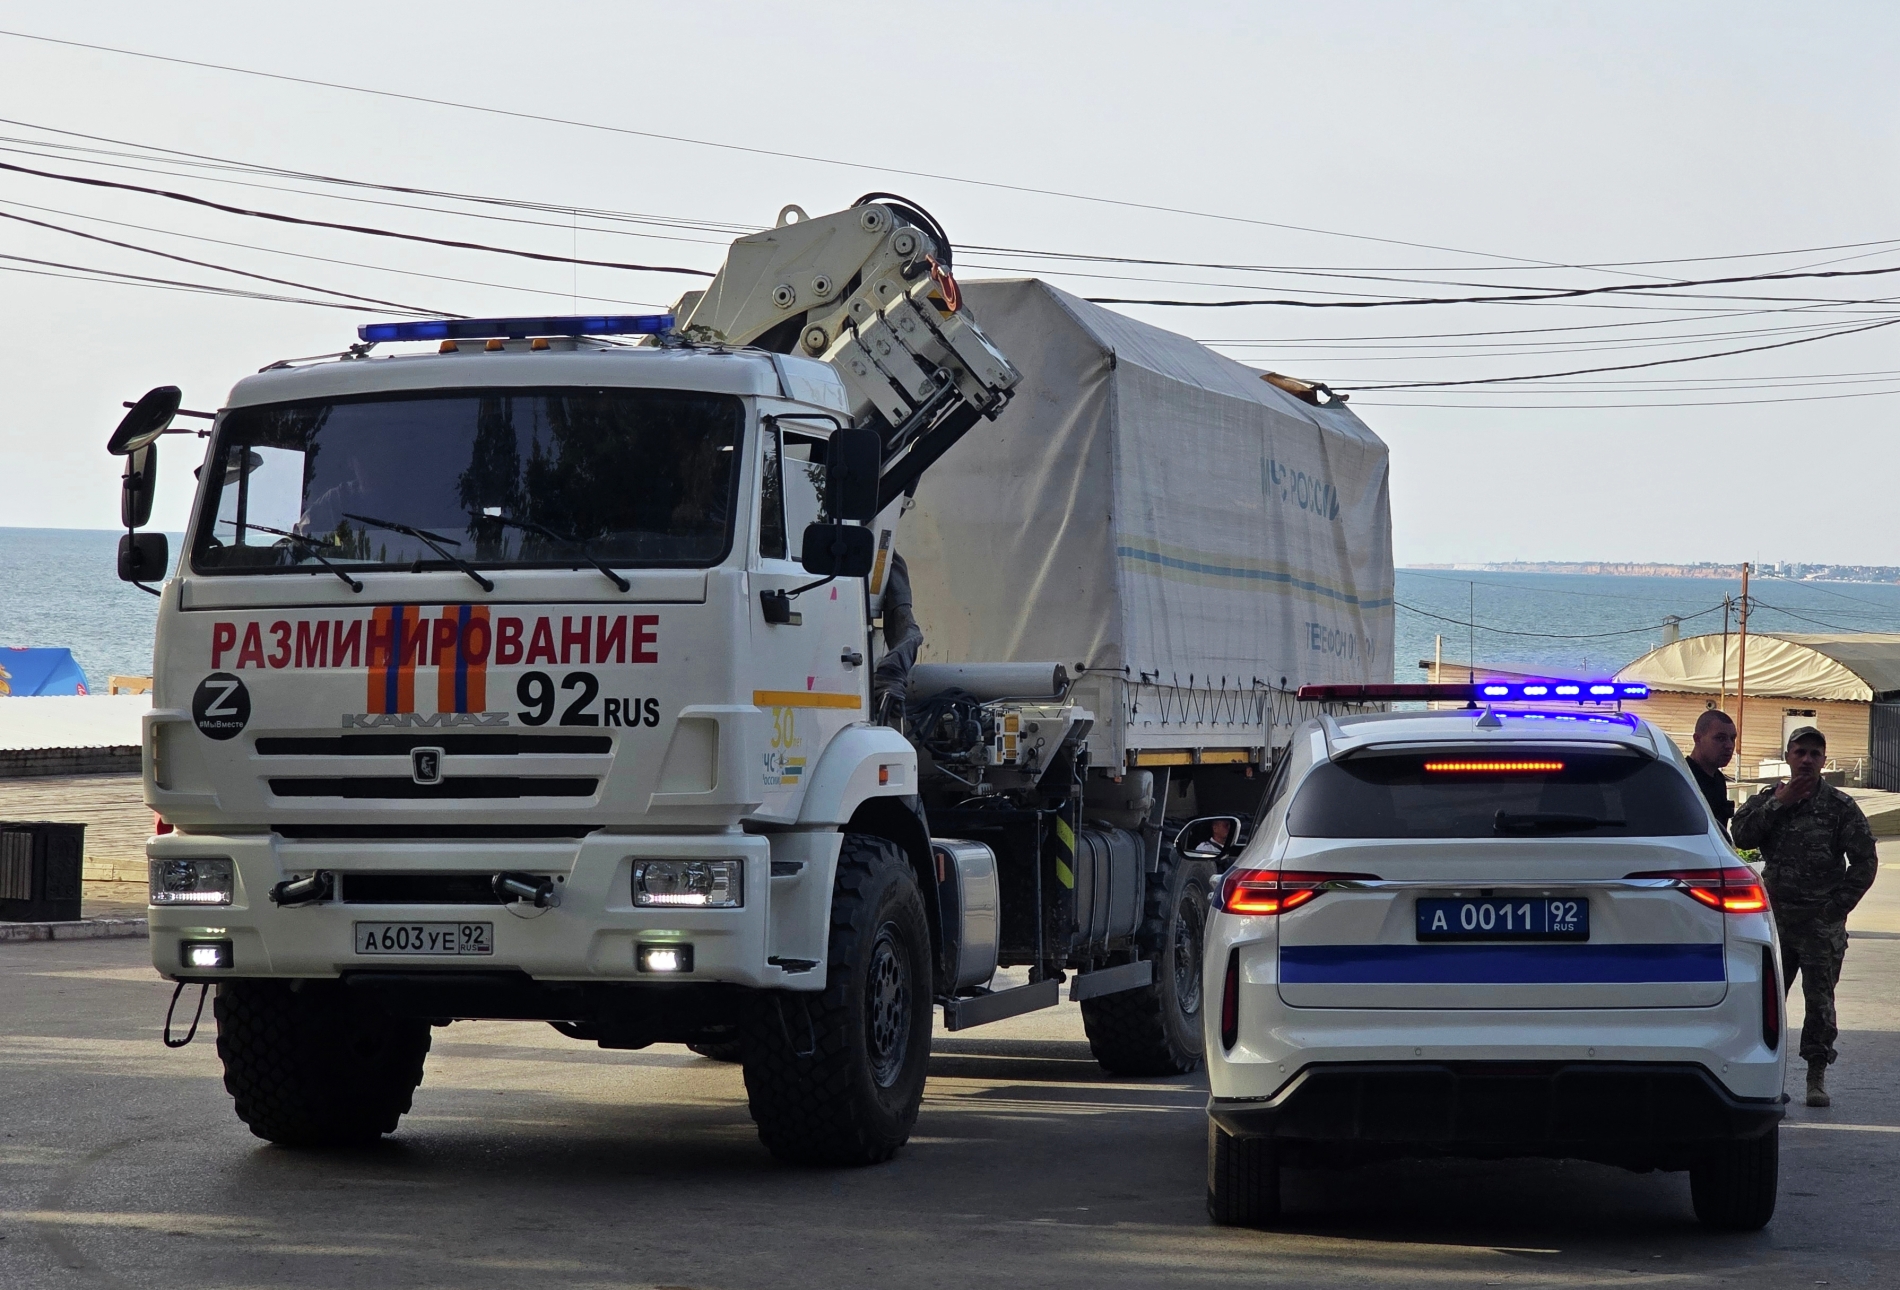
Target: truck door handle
(851,658)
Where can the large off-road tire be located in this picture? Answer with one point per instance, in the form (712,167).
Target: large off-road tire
(1156,1030)
(835,1078)
(1733,1184)
(312,1067)
(1243,1179)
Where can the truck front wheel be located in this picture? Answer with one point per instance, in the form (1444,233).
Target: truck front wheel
(1156,1030)
(836,1078)
(310,1067)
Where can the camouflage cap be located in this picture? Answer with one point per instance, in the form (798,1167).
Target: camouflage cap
(1806,735)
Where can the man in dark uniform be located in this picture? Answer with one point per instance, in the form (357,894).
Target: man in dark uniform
(1714,748)
(1819,856)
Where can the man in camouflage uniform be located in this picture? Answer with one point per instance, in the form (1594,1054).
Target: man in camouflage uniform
(1804,829)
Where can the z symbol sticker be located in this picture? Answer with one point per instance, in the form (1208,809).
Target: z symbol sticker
(221,707)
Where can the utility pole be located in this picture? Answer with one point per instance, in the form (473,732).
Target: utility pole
(1728,603)
(1741,675)
(1471,629)
(1438,656)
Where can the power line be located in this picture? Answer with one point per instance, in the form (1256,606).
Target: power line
(281,218)
(1556,636)
(322,259)
(1626,367)
(1567,293)
(1762,604)
(224,268)
(112,277)
(520,115)
(1599,407)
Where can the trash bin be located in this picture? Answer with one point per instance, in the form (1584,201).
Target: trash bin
(41,867)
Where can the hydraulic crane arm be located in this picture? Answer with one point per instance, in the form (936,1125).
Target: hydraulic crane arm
(869,291)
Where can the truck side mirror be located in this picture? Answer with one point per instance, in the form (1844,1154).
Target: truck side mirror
(1212,837)
(138,486)
(837,550)
(148,419)
(853,461)
(143,557)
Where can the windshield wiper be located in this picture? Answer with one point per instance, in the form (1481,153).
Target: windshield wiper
(434,542)
(309,544)
(578,545)
(1530,821)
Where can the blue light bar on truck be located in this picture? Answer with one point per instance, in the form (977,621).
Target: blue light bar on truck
(517,328)
(1496,691)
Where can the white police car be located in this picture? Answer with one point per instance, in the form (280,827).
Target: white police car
(1486,934)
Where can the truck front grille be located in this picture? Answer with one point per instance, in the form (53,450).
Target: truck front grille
(429,832)
(419,889)
(451,787)
(459,745)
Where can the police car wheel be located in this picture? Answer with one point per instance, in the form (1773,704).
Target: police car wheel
(1156,1030)
(307,1066)
(1243,1179)
(1733,1184)
(836,1078)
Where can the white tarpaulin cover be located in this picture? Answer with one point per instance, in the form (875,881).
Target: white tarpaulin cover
(1149,505)
(1851,666)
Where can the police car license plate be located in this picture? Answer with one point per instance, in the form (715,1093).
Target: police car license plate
(425,938)
(1542,918)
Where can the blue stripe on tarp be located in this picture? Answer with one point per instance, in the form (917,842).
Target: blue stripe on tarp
(1498,964)
(1245,574)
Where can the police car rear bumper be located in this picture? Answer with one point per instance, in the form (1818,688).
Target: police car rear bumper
(1638,1113)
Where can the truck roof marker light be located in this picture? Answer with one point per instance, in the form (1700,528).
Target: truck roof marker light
(1493,767)
(450,329)
(447,347)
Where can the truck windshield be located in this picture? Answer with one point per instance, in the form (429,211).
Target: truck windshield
(517,477)
(1522,792)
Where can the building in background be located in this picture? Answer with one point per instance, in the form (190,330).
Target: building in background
(1846,684)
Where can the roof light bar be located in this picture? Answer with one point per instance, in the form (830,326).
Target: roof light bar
(517,328)
(1496,691)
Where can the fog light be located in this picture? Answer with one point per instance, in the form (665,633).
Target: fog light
(190,881)
(666,958)
(689,884)
(205,954)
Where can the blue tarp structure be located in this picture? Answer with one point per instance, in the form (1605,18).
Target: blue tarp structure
(25,672)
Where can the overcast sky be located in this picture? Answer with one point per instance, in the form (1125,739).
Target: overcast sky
(1509,132)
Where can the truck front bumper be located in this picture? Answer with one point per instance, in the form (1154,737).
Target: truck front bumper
(594,933)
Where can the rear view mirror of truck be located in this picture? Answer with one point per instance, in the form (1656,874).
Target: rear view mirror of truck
(852,462)
(837,550)
(138,486)
(143,557)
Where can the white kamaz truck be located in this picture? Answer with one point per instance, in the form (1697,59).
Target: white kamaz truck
(539,673)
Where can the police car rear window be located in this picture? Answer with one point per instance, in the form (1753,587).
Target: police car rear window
(1483,792)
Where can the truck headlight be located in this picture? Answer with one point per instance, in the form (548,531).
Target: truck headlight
(192,881)
(691,884)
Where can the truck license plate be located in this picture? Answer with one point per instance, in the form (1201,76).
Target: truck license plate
(425,938)
(1540,918)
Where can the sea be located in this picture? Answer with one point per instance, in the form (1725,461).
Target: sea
(62,588)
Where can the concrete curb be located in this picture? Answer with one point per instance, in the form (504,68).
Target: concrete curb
(85,929)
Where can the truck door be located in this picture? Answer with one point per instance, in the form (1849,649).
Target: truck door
(803,671)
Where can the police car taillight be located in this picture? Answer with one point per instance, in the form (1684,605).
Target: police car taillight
(1733,889)
(1276,891)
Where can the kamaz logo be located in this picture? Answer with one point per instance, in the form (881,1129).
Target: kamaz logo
(425,720)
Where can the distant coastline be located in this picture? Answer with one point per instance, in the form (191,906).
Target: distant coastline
(1631,569)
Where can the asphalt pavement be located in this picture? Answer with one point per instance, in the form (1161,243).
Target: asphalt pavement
(534,1160)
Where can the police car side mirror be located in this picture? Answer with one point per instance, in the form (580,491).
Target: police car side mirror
(837,550)
(1212,837)
(138,486)
(143,557)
